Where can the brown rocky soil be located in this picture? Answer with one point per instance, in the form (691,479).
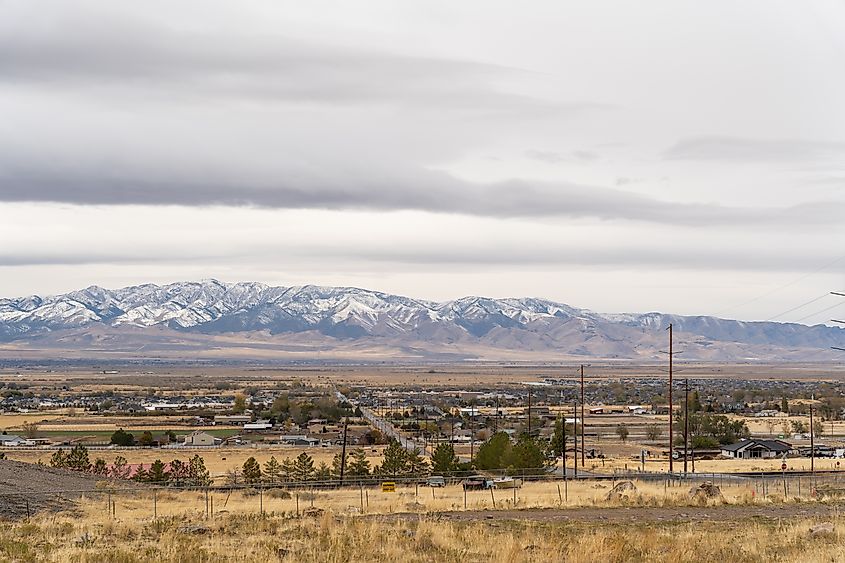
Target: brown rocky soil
(27,488)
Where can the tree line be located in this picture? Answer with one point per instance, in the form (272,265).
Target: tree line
(191,473)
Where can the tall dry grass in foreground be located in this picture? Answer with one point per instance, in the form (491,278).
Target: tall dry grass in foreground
(408,498)
(328,538)
(181,531)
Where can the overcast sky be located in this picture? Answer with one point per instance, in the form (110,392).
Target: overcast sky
(681,156)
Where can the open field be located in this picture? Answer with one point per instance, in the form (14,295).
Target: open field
(180,531)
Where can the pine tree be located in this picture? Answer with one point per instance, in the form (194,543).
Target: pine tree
(288,469)
(443,459)
(99,467)
(77,459)
(141,474)
(272,471)
(336,465)
(158,473)
(197,472)
(251,471)
(324,472)
(178,472)
(358,465)
(58,459)
(303,468)
(120,469)
(395,460)
(493,452)
(415,464)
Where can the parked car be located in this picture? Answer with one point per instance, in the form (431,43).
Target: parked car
(477,483)
(436,481)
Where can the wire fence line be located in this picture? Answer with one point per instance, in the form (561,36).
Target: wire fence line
(117,486)
(143,502)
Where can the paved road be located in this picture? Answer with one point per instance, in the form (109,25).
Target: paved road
(383,425)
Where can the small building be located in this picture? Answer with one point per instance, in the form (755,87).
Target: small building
(316,425)
(258,425)
(12,441)
(299,440)
(200,438)
(236,419)
(756,449)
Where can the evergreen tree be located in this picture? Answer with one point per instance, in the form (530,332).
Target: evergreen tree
(526,456)
(395,459)
(784,405)
(337,460)
(251,471)
(561,435)
(288,469)
(141,474)
(198,475)
(272,471)
(303,468)
(77,459)
(158,473)
(120,469)
(58,459)
(443,459)
(99,467)
(415,464)
(358,465)
(178,472)
(324,472)
(492,453)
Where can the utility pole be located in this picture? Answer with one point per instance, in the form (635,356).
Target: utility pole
(497,415)
(561,415)
(671,442)
(343,451)
(575,434)
(840,294)
(686,422)
(812,439)
(583,446)
(529,412)
(472,431)
(563,448)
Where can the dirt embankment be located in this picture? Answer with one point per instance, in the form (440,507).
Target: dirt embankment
(27,488)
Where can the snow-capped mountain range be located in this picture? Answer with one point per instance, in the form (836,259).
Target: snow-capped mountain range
(331,317)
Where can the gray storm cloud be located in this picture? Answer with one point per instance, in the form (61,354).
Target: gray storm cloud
(403,190)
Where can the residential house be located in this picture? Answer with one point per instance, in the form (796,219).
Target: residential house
(754,449)
(200,438)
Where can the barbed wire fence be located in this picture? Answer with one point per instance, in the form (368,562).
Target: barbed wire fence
(298,498)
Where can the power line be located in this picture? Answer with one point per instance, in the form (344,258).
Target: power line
(801,306)
(779,288)
(820,312)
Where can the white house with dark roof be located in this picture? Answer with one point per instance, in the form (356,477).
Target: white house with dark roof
(756,449)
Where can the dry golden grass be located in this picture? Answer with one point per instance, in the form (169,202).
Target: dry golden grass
(14,421)
(138,507)
(93,535)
